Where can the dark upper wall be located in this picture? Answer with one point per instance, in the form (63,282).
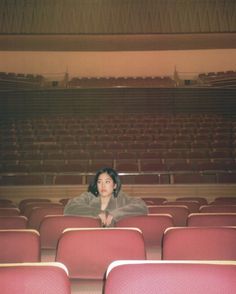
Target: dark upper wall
(116,25)
(117,16)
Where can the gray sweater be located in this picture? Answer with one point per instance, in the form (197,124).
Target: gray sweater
(89,205)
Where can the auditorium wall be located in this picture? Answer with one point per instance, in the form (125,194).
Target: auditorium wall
(189,63)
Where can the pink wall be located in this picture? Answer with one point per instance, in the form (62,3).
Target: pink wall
(98,64)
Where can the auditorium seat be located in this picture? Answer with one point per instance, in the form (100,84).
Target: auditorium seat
(218,208)
(200,200)
(194,178)
(153,200)
(225,200)
(87,253)
(53,165)
(52,227)
(15,180)
(199,243)
(13,222)
(76,165)
(34,278)
(152,227)
(103,154)
(19,246)
(126,165)
(38,213)
(25,201)
(68,179)
(162,277)
(6,203)
(96,164)
(179,165)
(31,205)
(178,212)
(9,211)
(142,179)
(193,206)
(152,165)
(227,178)
(211,219)
(126,154)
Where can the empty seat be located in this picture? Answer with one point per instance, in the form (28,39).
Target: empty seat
(68,180)
(227,178)
(76,165)
(19,246)
(9,211)
(178,212)
(225,200)
(34,278)
(193,206)
(153,200)
(30,206)
(87,253)
(199,243)
(152,227)
(141,179)
(15,180)
(200,200)
(152,165)
(127,165)
(218,208)
(52,227)
(38,213)
(6,203)
(170,277)
(95,165)
(194,178)
(211,219)
(13,222)
(25,201)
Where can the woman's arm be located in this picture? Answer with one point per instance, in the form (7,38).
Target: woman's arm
(128,206)
(84,205)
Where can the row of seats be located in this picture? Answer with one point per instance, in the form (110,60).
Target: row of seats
(152,150)
(131,178)
(122,165)
(78,137)
(95,248)
(48,219)
(164,149)
(170,277)
(152,231)
(121,277)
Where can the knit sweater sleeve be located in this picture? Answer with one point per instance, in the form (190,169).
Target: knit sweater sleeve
(83,205)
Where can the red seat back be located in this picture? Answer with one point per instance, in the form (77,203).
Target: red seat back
(13,222)
(87,252)
(211,219)
(199,243)
(178,212)
(38,214)
(34,278)
(52,227)
(172,277)
(19,246)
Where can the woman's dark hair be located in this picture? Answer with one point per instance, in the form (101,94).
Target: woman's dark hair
(112,173)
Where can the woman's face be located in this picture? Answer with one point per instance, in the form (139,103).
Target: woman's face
(105,185)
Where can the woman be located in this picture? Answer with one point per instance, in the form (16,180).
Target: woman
(105,200)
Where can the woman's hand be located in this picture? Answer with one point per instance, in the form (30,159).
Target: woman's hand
(105,219)
(109,220)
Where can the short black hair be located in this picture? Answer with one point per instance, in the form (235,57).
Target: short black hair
(112,173)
